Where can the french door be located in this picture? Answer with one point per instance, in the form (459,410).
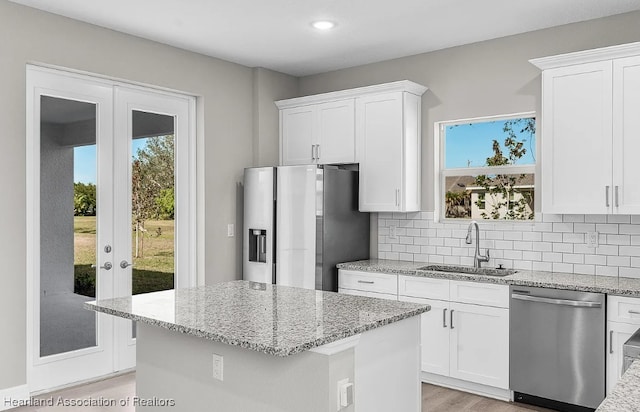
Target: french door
(111,213)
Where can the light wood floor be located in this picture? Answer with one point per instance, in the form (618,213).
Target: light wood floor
(434,398)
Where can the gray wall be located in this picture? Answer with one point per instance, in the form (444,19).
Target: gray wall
(487,78)
(225,117)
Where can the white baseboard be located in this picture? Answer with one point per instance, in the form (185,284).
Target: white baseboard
(464,386)
(11,397)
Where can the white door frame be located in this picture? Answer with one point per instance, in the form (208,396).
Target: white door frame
(73,85)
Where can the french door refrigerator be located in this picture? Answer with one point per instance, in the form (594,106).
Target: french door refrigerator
(299,222)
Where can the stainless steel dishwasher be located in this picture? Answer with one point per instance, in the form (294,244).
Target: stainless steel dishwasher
(557,348)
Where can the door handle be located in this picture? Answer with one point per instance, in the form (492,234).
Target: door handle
(368,282)
(616,196)
(107,266)
(317,152)
(563,302)
(610,341)
(606,195)
(124,264)
(313,152)
(444,318)
(451,318)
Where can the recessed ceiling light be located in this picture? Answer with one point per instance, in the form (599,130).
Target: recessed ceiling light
(323,25)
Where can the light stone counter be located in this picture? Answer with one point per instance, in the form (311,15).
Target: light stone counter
(276,320)
(625,396)
(586,283)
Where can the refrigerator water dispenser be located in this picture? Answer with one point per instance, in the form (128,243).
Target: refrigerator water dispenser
(258,245)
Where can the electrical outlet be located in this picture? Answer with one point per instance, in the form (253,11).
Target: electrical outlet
(231,230)
(392,232)
(218,367)
(592,239)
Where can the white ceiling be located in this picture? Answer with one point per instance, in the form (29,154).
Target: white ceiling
(276,34)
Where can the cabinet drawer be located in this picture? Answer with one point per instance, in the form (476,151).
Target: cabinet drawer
(368,281)
(423,287)
(486,294)
(623,309)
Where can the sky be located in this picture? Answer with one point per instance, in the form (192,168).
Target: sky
(469,145)
(84,161)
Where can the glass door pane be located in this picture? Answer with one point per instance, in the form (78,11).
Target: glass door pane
(67,224)
(152,202)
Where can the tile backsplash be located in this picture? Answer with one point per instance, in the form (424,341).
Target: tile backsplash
(556,243)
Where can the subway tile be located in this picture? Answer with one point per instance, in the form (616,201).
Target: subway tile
(572,258)
(512,254)
(391,255)
(543,266)
(523,245)
(618,219)
(635,240)
(523,264)
(635,219)
(618,261)
(635,262)
(442,250)
(625,229)
(452,242)
(405,256)
(495,235)
(629,250)
(562,267)
(573,238)
(384,248)
(421,241)
(484,244)
(405,224)
(513,235)
(563,247)
(387,239)
(503,244)
(611,250)
(443,232)
(452,260)
(607,228)
(466,260)
(428,250)
(551,218)
(420,224)
(629,273)
(398,248)
(436,259)
(584,249)
(428,232)
(552,257)
(606,271)
(595,260)
(383,231)
(401,231)
(618,239)
(427,215)
(392,222)
(405,240)
(532,236)
(413,249)
(584,269)
(573,218)
(584,227)
(495,254)
(537,256)
(459,251)
(420,258)
(436,241)
(543,246)
(543,227)
(459,233)
(551,237)
(595,218)
(413,232)
(563,227)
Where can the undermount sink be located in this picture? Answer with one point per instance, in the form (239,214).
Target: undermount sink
(470,270)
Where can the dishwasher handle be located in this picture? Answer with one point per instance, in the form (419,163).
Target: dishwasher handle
(552,301)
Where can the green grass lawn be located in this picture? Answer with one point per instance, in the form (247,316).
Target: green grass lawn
(152,272)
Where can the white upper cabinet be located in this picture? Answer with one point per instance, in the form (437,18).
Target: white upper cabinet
(375,126)
(590,102)
(320,133)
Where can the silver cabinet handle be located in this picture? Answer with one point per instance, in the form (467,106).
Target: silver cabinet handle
(397,197)
(444,318)
(313,152)
(107,266)
(606,195)
(368,282)
(564,302)
(633,312)
(610,341)
(451,318)
(616,196)
(124,264)
(318,152)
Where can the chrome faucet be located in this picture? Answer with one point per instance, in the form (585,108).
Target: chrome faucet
(477,257)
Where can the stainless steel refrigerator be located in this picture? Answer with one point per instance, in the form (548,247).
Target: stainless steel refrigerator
(299,222)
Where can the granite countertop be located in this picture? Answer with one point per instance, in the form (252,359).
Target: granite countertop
(612,285)
(276,320)
(624,396)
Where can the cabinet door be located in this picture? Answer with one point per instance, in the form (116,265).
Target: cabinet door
(379,129)
(434,335)
(617,335)
(297,135)
(480,344)
(577,139)
(626,135)
(336,128)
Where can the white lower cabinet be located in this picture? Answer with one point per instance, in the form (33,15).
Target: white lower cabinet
(464,341)
(373,285)
(623,319)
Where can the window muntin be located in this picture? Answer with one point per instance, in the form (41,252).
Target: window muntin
(488,168)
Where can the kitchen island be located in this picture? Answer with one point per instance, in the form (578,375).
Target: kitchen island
(246,346)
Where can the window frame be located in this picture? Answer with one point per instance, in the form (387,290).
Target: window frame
(441,173)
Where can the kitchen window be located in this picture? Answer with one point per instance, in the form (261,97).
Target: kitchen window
(487,168)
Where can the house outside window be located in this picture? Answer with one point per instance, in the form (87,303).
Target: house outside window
(487,168)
